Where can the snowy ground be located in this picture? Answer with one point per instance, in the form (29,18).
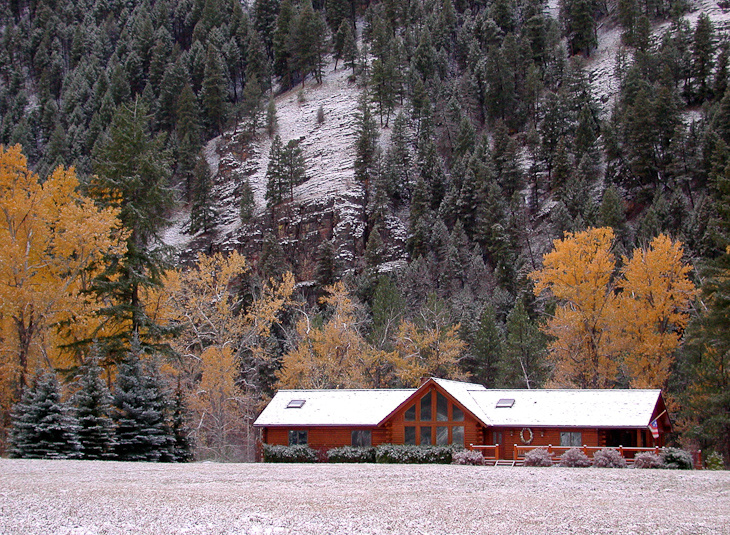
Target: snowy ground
(85,498)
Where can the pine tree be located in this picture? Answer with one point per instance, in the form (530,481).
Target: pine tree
(203,215)
(523,364)
(182,451)
(141,411)
(271,120)
(214,93)
(248,203)
(487,349)
(703,48)
(366,142)
(132,174)
(42,426)
(92,402)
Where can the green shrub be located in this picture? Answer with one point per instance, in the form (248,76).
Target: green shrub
(647,460)
(407,454)
(676,459)
(470,457)
(574,458)
(608,458)
(289,454)
(351,454)
(714,461)
(538,457)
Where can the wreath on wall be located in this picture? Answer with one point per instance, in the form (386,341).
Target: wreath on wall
(526,435)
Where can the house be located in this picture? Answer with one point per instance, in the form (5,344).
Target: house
(442,412)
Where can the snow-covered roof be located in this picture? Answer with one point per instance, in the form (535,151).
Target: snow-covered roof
(332,407)
(568,408)
(520,408)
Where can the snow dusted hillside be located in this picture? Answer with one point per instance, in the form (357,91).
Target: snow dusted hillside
(331,194)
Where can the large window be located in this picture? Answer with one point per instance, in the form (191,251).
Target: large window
(362,438)
(298,437)
(431,421)
(571,438)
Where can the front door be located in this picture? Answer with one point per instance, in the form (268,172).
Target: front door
(497,439)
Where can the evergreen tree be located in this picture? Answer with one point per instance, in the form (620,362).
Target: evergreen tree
(366,142)
(248,203)
(203,215)
(214,93)
(271,120)
(42,427)
(326,271)
(182,450)
(487,349)
(93,408)
(703,49)
(523,365)
(132,173)
(141,411)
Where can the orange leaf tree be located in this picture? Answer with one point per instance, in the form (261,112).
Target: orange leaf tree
(607,324)
(52,241)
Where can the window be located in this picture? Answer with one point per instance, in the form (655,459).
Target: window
(362,438)
(410,435)
(426,408)
(457,435)
(425,436)
(410,415)
(296,404)
(457,414)
(442,407)
(505,403)
(297,437)
(442,436)
(571,438)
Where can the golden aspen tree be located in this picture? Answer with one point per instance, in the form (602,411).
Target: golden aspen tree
(607,323)
(429,346)
(216,325)
(52,239)
(578,272)
(653,308)
(336,354)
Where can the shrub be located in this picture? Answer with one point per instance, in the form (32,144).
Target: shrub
(406,454)
(647,460)
(574,458)
(289,454)
(351,454)
(538,457)
(676,459)
(471,457)
(608,458)
(714,461)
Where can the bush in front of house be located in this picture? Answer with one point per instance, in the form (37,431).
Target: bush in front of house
(714,461)
(470,457)
(351,454)
(676,459)
(289,454)
(608,458)
(538,457)
(408,454)
(574,458)
(647,460)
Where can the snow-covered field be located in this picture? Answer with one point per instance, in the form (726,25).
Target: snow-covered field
(84,498)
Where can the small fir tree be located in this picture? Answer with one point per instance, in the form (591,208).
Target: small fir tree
(43,426)
(93,407)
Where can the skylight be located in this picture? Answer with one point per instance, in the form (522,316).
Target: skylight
(296,404)
(505,403)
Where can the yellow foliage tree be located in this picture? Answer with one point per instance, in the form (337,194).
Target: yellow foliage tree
(605,324)
(52,239)
(653,310)
(578,273)
(215,328)
(336,354)
(430,347)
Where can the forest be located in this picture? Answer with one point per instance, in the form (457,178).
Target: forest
(557,237)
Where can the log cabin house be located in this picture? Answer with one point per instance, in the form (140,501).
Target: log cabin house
(503,423)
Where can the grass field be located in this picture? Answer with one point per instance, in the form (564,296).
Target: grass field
(84,498)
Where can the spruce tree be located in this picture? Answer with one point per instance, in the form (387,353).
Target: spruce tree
(366,142)
(248,203)
(214,94)
(487,349)
(141,411)
(523,364)
(42,426)
(92,402)
(203,215)
(182,449)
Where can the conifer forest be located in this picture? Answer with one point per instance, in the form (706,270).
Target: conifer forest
(514,216)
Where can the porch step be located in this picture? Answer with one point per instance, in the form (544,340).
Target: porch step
(508,462)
